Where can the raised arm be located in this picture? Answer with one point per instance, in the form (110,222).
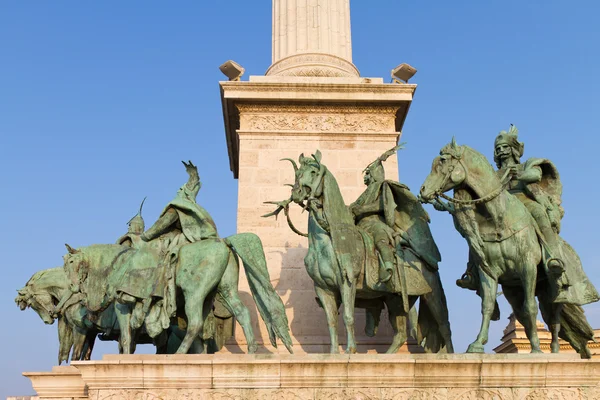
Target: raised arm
(161,226)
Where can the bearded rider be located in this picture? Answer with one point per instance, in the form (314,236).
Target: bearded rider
(536,184)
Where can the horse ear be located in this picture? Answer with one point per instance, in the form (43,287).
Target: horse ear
(301,158)
(70,249)
(317,156)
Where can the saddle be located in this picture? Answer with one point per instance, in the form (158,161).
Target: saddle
(409,267)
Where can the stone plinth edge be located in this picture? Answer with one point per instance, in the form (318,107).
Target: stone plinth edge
(316,375)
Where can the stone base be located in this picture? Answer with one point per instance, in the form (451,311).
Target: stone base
(320,376)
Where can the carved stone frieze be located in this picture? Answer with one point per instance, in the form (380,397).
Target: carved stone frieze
(342,119)
(432,393)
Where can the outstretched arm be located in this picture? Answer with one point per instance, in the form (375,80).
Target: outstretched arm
(161,226)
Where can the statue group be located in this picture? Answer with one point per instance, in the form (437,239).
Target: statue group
(176,284)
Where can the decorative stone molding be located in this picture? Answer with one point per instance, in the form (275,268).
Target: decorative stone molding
(338,119)
(313,64)
(318,376)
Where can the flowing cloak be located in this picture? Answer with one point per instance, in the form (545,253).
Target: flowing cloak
(547,192)
(196,223)
(403,212)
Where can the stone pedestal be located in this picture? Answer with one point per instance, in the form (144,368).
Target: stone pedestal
(399,377)
(351,121)
(515,340)
(312,98)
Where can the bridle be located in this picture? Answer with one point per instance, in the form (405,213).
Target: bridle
(504,182)
(42,305)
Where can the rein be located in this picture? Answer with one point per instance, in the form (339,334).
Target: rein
(504,182)
(286,211)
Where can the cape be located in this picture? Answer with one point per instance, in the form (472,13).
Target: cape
(402,211)
(547,192)
(196,222)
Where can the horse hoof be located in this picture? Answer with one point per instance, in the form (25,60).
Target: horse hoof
(554,347)
(475,348)
(351,350)
(536,351)
(252,348)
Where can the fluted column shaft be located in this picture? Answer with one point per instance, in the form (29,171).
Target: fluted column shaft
(312,27)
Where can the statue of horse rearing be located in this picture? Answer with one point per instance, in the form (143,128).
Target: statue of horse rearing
(336,259)
(506,249)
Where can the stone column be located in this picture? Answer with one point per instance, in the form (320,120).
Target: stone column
(312,38)
(312,98)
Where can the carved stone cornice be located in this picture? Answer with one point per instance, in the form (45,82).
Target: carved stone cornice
(370,102)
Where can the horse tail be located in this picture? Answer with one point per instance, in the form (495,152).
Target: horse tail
(65,340)
(433,311)
(248,247)
(575,329)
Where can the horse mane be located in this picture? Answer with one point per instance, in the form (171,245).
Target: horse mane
(98,256)
(43,277)
(334,206)
(482,178)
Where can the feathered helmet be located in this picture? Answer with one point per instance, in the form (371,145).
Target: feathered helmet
(512,139)
(136,224)
(375,169)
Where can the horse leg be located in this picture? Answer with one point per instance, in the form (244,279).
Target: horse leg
(198,281)
(330,305)
(194,301)
(123,313)
(348,298)
(530,308)
(550,313)
(398,321)
(79,337)
(489,288)
(228,289)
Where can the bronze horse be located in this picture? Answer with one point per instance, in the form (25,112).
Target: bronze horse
(337,277)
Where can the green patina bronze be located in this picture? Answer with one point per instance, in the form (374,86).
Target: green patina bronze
(510,219)
(161,284)
(379,251)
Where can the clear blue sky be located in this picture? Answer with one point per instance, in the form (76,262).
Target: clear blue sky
(101,100)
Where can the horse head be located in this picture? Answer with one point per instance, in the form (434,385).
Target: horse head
(309,178)
(39,293)
(447,172)
(87,269)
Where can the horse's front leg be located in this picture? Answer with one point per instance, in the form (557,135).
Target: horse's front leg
(348,298)
(330,305)
(488,290)
(530,307)
(555,327)
(123,312)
